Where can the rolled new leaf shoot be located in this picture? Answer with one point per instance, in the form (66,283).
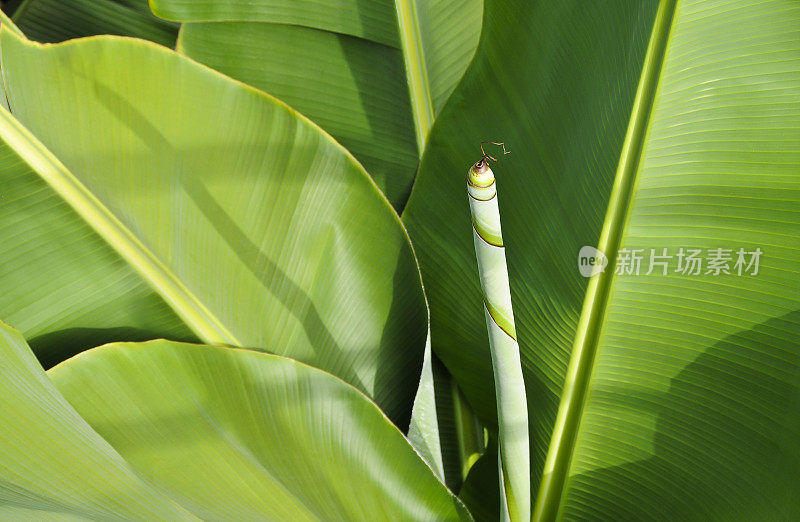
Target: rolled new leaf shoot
(512,408)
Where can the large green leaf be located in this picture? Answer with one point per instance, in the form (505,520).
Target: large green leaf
(255,227)
(240,435)
(52,464)
(691,399)
(58,20)
(682,397)
(555,80)
(373,74)
(189,432)
(63,284)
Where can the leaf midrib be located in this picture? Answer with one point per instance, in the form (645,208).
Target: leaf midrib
(185,304)
(419,88)
(568,420)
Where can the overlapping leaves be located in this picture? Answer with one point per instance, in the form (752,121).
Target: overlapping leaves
(164,430)
(172,201)
(373,74)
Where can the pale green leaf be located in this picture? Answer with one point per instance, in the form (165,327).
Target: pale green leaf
(373,74)
(255,227)
(240,435)
(64,286)
(199,433)
(53,465)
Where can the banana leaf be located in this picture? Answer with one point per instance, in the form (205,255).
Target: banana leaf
(53,464)
(373,74)
(171,431)
(564,122)
(659,125)
(147,196)
(59,20)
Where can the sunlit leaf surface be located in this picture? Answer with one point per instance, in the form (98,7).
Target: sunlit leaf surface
(373,74)
(168,183)
(189,432)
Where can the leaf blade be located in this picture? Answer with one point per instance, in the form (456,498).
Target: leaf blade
(53,462)
(562,111)
(262,422)
(722,362)
(416,72)
(718,162)
(376,93)
(272,190)
(59,20)
(360,98)
(187,305)
(374,21)
(577,376)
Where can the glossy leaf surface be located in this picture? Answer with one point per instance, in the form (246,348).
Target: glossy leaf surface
(236,434)
(255,227)
(53,463)
(190,432)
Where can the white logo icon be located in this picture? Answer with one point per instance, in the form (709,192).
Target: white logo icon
(591,261)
